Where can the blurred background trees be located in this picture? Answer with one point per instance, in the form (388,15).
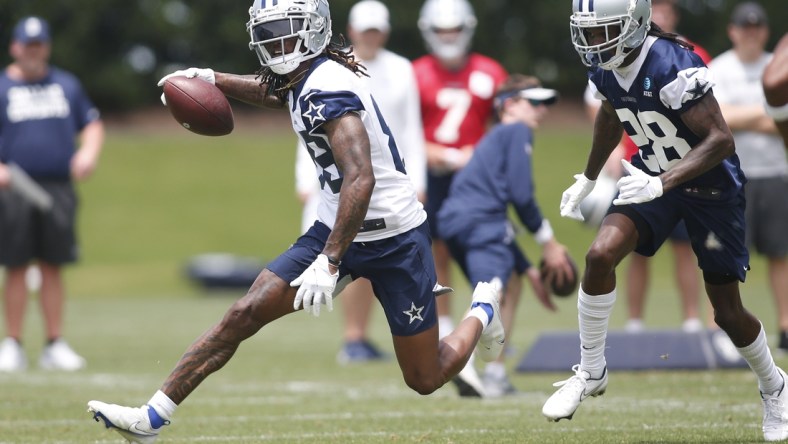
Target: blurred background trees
(120,48)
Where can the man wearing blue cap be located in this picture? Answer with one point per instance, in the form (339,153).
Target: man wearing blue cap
(43,111)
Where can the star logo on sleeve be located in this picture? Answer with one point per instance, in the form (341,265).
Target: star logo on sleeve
(699,89)
(414,313)
(314,113)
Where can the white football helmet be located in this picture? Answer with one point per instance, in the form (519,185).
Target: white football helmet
(437,15)
(625,23)
(273,23)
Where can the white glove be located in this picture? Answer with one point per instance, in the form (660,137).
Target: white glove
(206,74)
(638,187)
(317,285)
(570,200)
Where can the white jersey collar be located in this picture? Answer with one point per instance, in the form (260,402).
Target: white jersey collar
(626,75)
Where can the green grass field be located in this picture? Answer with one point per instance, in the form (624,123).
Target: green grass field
(161,197)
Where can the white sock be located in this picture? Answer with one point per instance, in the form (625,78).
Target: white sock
(593,314)
(445,326)
(761,362)
(163,405)
(495,369)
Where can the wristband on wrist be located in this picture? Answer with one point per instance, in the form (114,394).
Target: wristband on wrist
(451,157)
(544,233)
(778,113)
(332,261)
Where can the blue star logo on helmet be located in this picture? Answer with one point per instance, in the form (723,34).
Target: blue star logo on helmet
(648,82)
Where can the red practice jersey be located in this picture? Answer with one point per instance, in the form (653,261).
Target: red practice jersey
(456,105)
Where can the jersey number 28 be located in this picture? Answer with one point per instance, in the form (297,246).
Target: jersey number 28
(644,126)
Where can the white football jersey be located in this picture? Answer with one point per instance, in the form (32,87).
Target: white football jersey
(330,91)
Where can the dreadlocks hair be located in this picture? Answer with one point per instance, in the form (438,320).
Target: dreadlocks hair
(278,84)
(341,53)
(656,31)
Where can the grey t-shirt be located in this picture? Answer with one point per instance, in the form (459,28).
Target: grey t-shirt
(737,83)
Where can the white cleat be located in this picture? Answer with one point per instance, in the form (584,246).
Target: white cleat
(775,413)
(132,423)
(573,391)
(497,386)
(468,382)
(59,356)
(488,297)
(12,356)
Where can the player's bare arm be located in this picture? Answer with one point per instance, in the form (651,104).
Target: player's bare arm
(775,76)
(350,145)
(704,119)
(246,88)
(607,134)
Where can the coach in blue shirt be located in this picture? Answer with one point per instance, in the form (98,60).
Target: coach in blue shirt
(473,219)
(43,111)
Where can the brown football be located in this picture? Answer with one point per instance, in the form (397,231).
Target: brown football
(198,106)
(570,286)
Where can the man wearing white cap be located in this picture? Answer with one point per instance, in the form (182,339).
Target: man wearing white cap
(393,85)
(43,111)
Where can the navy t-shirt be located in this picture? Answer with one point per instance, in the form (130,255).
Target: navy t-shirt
(498,174)
(39,123)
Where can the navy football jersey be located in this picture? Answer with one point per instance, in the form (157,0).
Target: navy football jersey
(649,97)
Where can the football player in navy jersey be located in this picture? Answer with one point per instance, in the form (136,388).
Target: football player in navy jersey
(660,92)
(370,222)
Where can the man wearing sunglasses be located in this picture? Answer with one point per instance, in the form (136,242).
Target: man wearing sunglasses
(473,218)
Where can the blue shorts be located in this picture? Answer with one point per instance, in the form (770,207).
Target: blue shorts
(679,233)
(486,251)
(716,228)
(400,268)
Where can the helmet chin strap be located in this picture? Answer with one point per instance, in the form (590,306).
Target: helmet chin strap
(284,67)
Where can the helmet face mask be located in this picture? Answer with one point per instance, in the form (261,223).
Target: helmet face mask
(447,27)
(288,32)
(624,25)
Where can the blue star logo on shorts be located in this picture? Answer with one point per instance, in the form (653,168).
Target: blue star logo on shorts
(314,113)
(414,313)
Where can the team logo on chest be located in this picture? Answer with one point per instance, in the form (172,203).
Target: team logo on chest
(648,83)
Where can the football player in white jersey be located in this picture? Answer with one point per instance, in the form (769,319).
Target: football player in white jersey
(393,85)
(370,223)
(659,91)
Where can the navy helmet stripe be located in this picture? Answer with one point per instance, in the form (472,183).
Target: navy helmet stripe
(585,5)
